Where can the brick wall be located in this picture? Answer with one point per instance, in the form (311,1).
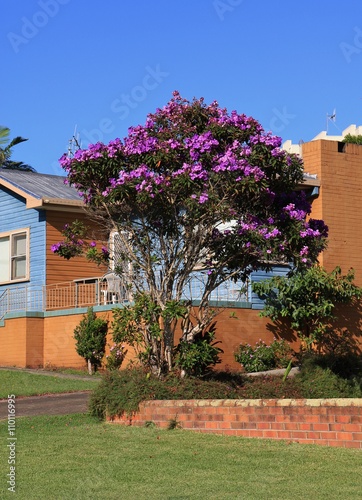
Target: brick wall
(22,342)
(339,202)
(47,339)
(331,422)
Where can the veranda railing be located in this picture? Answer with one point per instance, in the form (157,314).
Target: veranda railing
(88,292)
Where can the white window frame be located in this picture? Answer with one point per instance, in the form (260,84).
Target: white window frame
(11,258)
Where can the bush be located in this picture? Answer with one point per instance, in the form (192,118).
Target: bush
(346,364)
(122,391)
(115,357)
(271,387)
(264,357)
(197,357)
(323,383)
(353,139)
(90,336)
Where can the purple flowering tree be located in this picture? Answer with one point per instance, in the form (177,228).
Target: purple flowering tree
(197,187)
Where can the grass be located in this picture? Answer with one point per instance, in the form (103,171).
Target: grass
(30,384)
(77,457)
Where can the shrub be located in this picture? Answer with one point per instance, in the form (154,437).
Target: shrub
(195,358)
(307,300)
(353,139)
(264,357)
(115,357)
(346,364)
(271,387)
(90,336)
(122,391)
(323,383)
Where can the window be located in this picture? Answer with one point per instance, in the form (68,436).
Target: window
(115,247)
(14,256)
(117,251)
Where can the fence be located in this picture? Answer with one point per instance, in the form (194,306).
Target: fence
(88,292)
(26,298)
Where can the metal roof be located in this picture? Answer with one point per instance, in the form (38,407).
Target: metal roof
(39,185)
(41,191)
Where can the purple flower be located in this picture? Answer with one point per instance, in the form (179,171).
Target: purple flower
(56,247)
(93,244)
(203,198)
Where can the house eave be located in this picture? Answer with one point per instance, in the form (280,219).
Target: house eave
(45,202)
(54,204)
(309,182)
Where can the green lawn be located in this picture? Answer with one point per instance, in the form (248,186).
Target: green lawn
(30,384)
(76,457)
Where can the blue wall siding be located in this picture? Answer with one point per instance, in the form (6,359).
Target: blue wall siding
(14,215)
(261,276)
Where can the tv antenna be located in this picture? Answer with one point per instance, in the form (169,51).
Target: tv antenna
(332,118)
(74,143)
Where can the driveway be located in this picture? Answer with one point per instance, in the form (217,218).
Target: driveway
(49,404)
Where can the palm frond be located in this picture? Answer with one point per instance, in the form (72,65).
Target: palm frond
(15,141)
(4,134)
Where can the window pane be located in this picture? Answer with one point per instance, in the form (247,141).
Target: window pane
(19,245)
(4,259)
(19,268)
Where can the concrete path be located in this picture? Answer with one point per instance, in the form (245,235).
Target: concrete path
(50,404)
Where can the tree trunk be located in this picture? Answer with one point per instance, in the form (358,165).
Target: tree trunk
(90,367)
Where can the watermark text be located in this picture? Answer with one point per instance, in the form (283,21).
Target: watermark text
(11,445)
(354,48)
(30,27)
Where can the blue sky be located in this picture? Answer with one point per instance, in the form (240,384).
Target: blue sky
(103,66)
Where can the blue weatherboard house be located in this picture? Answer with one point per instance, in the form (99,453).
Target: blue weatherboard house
(34,209)
(43,297)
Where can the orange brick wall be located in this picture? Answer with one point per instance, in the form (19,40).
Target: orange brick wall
(34,342)
(235,326)
(13,343)
(334,422)
(49,341)
(339,202)
(22,342)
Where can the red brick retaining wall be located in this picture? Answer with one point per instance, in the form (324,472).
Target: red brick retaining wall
(332,422)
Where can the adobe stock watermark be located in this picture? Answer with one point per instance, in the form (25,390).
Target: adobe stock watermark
(125,103)
(30,27)
(280,120)
(223,7)
(348,49)
(11,445)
